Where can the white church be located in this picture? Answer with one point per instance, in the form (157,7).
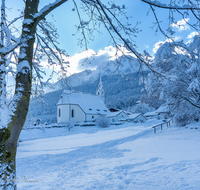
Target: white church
(81,107)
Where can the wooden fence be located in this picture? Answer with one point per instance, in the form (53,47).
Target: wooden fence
(161,125)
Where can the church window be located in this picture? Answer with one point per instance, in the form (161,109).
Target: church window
(59,112)
(72,113)
(98,110)
(98,93)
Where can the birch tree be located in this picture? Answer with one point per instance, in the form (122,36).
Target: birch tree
(33,20)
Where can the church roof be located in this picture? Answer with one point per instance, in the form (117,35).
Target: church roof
(100,84)
(89,103)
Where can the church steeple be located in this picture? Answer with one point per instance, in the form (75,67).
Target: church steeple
(100,90)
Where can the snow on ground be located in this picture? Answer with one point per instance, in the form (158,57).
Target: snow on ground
(128,156)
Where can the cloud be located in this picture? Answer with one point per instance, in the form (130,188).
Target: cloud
(88,60)
(73,62)
(91,60)
(157,46)
(181,24)
(160,43)
(192,34)
(190,37)
(95,61)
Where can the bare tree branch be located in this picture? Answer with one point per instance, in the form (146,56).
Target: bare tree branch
(169,7)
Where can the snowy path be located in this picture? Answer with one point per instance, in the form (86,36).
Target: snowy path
(127,157)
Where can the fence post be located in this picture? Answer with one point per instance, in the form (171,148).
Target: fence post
(154,129)
(161,127)
(167,124)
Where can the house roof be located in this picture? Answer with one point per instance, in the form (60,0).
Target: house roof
(135,115)
(89,103)
(114,109)
(114,114)
(150,114)
(163,109)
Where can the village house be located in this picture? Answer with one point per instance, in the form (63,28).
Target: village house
(150,115)
(117,116)
(137,118)
(163,112)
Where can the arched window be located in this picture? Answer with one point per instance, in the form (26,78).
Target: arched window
(59,112)
(72,113)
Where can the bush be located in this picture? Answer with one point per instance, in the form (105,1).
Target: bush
(182,120)
(102,121)
(69,125)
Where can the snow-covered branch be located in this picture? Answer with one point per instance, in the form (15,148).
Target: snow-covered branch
(6,50)
(47,9)
(165,6)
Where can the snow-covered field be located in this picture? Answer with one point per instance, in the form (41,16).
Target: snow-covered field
(128,156)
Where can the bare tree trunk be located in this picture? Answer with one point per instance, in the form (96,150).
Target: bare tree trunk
(21,98)
(2,66)
(9,136)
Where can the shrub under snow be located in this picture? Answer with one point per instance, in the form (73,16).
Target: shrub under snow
(102,121)
(69,125)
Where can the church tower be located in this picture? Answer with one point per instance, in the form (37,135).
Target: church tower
(100,90)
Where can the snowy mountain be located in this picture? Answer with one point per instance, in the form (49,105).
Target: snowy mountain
(124,66)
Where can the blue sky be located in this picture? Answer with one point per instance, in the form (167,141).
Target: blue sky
(65,19)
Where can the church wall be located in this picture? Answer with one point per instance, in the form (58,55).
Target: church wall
(67,115)
(91,117)
(79,115)
(64,113)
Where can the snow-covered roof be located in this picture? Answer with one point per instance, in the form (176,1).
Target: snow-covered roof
(163,109)
(89,103)
(135,115)
(138,102)
(153,113)
(114,114)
